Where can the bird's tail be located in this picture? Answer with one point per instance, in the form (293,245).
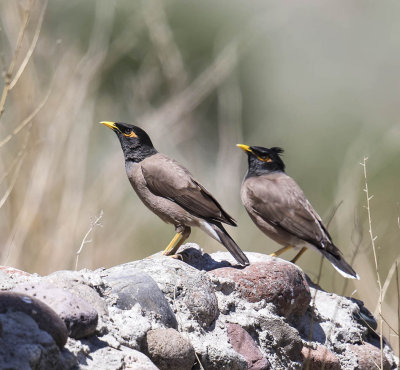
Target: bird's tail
(229,244)
(341,265)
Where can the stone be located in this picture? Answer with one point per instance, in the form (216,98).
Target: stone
(369,357)
(23,345)
(13,271)
(92,353)
(276,281)
(319,358)
(244,344)
(133,286)
(169,349)
(183,284)
(201,300)
(44,316)
(77,285)
(79,316)
(205,306)
(283,337)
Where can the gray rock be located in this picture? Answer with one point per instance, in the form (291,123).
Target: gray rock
(74,282)
(206,307)
(79,316)
(183,285)
(100,353)
(129,327)
(133,286)
(201,300)
(283,338)
(45,317)
(23,345)
(168,349)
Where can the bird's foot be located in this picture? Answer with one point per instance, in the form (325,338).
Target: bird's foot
(177,256)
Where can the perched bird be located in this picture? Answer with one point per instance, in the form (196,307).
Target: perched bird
(170,191)
(279,208)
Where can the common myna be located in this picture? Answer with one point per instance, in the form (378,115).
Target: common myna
(170,191)
(279,208)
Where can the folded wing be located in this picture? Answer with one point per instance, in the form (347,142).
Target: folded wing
(167,178)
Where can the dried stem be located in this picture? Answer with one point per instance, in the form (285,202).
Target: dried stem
(10,71)
(373,238)
(398,307)
(19,161)
(27,120)
(85,239)
(31,48)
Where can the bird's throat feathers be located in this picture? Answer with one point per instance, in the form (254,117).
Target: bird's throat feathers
(136,153)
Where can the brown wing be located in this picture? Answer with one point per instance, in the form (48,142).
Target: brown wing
(280,201)
(167,178)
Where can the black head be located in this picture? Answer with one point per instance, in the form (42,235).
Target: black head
(135,142)
(263,160)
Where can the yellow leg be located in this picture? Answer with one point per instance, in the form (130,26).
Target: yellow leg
(280,251)
(298,255)
(173,245)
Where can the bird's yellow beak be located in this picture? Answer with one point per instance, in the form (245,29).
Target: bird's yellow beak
(110,125)
(245,148)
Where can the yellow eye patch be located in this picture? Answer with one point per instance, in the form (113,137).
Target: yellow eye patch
(131,134)
(266,159)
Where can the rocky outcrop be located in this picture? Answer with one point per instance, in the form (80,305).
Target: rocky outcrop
(161,312)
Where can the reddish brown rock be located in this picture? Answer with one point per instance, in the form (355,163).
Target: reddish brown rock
(319,358)
(245,345)
(276,281)
(13,271)
(369,356)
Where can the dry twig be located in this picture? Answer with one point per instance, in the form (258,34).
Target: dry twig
(373,238)
(31,48)
(85,239)
(10,71)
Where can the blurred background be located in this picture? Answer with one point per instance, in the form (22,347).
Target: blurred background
(319,79)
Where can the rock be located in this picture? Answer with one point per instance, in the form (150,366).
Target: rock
(319,358)
(369,357)
(95,353)
(79,316)
(75,283)
(201,300)
(282,337)
(168,349)
(133,286)
(13,271)
(45,317)
(277,281)
(211,313)
(23,345)
(243,343)
(183,285)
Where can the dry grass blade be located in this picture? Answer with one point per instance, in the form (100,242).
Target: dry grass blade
(31,48)
(27,120)
(19,160)
(85,240)
(10,71)
(388,280)
(373,238)
(398,306)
